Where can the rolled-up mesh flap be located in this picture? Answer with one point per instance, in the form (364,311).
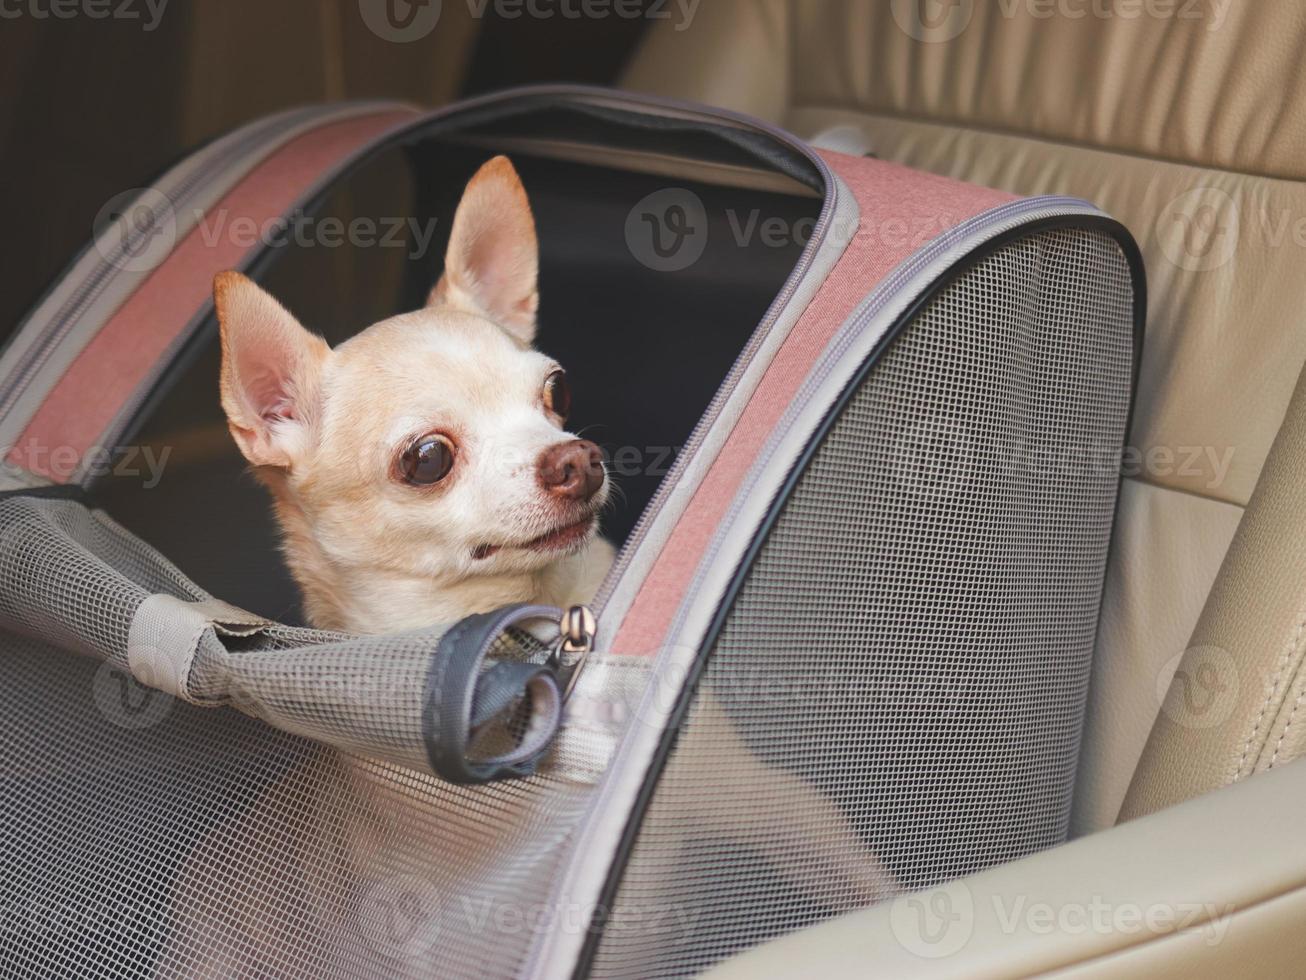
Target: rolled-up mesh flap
(472,701)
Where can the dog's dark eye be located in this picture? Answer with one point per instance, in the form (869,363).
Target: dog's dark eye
(557,394)
(426,461)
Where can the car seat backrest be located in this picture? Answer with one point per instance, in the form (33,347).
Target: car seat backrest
(1186,120)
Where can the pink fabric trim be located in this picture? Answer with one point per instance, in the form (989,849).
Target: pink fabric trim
(901,210)
(120,357)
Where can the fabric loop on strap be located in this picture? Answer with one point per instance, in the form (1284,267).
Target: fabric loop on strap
(165,635)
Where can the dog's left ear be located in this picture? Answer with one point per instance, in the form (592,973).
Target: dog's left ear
(492,265)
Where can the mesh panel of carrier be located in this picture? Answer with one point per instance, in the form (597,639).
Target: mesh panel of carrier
(203,844)
(146,836)
(913,638)
(890,694)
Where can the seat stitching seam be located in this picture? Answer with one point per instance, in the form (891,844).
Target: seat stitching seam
(799,103)
(1293,645)
(1284,734)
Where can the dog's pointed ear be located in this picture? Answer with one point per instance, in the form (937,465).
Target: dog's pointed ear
(271,369)
(492,265)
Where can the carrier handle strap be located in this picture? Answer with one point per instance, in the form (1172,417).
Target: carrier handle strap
(460,697)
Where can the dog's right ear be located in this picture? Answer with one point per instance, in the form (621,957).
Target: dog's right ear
(271,369)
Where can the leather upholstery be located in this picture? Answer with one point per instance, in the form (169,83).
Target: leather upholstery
(1165,556)
(1187,121)
(1211,889)
(310,52)
(734,54)
(1238,704)
(1212,82)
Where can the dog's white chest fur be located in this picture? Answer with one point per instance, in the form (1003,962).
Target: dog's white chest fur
(384,603)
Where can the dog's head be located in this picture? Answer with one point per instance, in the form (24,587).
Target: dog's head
(433,443)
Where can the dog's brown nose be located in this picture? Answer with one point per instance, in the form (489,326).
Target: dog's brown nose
(573,470)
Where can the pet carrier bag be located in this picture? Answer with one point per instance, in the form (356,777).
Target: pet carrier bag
(868,423)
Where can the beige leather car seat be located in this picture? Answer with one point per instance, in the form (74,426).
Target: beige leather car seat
(1187,121)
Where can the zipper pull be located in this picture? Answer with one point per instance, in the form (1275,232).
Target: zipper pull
(576,629)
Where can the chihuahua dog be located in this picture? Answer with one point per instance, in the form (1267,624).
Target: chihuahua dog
(420,473)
